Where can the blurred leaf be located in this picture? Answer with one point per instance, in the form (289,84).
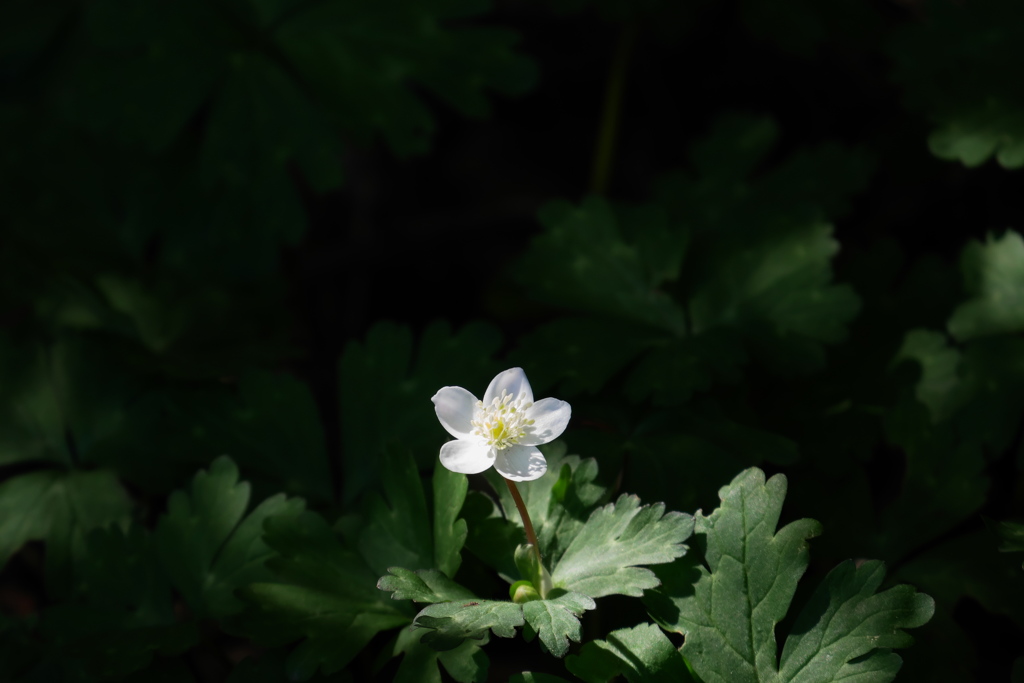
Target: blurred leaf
(123,573)
(729,613)
(940,386)
(804,26)
(721,268)
(976,393)
(363,59)
(26,28)
(67,397)
(397,530)
(385,392)
(323,593)
(108,649)
(783,285)
(643,654)
(668,447)
(676,369)
(259,121)
(994,274)
(207,548)
(950,66)
(1011,535)
(559,351)
(530,677)
(961,568)
(583,262)
(59,508)
(121,616)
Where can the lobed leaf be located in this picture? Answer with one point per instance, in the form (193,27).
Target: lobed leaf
(556,620)
(60,508)
(384,382)
(994,275)
(604,556)
(423,585)
(643,654)
(950,68)
(206,546)
(450,533)
(728,609)
(323,592)
(450,623)
(846,620)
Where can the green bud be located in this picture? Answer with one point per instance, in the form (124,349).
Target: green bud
(523,591)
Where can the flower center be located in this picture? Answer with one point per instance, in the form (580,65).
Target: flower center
(502,423)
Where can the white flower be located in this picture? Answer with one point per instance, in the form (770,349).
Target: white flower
(502,430)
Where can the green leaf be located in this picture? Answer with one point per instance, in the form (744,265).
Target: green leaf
(781,283)
(466,663)
(207,547)
(603,558)
(729,607)
(802,27)
(668,446)
(556,620)
(994,275)
(107,646)
(559,351)
(950,67)
(397,531)
(449,532)
(424,585)
(59,508)
(559,503)
(384,384)
(323,592)
(944,483)
(530,677)
(124,574)
(67,397)
(363,61)
(453,622)
(1011,536)
(960,570)
(845,620)
(583,262)
(643,654)
(940,387)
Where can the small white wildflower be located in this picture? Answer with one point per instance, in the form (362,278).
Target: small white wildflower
(503,430)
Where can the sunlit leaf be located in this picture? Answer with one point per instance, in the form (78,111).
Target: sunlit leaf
(994,275)
(728,606)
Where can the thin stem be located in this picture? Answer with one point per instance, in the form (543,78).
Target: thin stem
(605,151)
(531,536)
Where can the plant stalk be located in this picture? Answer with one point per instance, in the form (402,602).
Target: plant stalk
(605,151)
(531,535)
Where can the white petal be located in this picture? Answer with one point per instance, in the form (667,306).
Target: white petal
(550,416)
(513,381)
(454,407)
(467,457)
(521,463)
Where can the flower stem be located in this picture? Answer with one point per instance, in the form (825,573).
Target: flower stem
(531,535)
(602,169)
